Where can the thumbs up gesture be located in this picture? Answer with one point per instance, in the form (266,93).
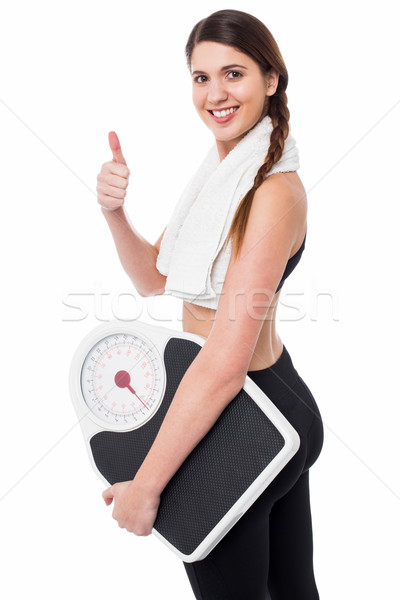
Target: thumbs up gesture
(113,179)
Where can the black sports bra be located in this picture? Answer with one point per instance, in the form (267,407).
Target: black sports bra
(291,264)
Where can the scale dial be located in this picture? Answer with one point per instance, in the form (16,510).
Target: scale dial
(122,381)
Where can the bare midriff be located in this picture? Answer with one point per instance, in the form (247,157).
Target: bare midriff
(269,347)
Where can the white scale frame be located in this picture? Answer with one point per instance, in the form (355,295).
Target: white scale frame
(156,338)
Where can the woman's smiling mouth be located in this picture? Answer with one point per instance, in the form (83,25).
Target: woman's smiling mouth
(224,115)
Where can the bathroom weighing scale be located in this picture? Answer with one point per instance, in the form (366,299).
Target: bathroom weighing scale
(123,377)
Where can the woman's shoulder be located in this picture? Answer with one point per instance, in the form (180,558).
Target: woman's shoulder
(281,199)
(280,192)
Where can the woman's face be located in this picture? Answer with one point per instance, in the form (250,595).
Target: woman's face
(224,78)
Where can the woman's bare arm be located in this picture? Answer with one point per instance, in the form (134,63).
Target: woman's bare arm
(138,256)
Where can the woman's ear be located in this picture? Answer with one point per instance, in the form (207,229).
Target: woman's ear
(271,82)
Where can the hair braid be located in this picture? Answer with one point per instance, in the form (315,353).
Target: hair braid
(280,114)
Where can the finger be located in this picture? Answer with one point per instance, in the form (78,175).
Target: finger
(116,148)
(108,495)
(112,180)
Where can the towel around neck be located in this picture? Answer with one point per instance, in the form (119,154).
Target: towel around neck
(190,252)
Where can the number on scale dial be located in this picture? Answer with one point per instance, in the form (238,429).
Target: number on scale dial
(122,381)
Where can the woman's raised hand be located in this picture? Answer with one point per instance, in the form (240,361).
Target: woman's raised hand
(113,178)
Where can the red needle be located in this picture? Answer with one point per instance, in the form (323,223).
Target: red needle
(122,379)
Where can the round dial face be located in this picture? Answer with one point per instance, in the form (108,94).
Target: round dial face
(122,381)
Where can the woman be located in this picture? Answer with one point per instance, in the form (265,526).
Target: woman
(236,65)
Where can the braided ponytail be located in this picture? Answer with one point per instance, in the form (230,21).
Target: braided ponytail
(279,113)
(249,35)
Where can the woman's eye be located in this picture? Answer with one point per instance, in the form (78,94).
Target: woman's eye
(196,79)
(237,73)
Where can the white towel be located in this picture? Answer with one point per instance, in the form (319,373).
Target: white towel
(190,252)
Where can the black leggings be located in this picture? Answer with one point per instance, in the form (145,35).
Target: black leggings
(268,553)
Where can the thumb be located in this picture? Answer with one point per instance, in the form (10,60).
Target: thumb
(116,148)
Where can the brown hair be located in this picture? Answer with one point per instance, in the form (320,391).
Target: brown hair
(249,35)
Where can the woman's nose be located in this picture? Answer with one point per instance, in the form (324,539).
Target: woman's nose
(216,92)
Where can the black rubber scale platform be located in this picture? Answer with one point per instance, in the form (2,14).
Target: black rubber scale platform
(215,475)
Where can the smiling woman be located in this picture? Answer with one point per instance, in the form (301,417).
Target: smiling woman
(229,87)
(236,233)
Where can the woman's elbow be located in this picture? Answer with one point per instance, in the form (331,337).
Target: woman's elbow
(225,379)
(154,288)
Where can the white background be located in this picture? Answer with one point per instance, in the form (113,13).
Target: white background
(70,73)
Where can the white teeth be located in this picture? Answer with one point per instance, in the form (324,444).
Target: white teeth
(223,113)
